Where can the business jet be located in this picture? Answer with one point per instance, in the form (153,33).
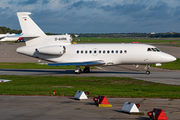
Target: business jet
(3,35)
(59,50)
(9,37)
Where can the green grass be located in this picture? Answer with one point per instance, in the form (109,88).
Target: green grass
(172,65)
(108,86)
(124,40)
(10,65)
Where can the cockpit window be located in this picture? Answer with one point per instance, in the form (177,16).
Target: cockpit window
(153,49)
(149,49)
(158,50)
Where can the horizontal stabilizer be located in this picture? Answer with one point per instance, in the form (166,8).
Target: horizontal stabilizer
(29,36)
(89,63)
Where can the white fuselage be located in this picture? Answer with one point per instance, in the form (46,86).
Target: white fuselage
(111,54)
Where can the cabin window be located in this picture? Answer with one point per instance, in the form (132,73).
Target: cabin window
(77,51)
(116,51)
(104,51)
(112,51)
(149,49)
(99,51)
(120,51)
(86,51)
(125,51)
(90,51)
(108,51)
(95,51)
(81,51)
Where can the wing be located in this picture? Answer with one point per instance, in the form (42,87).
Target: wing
(88,63)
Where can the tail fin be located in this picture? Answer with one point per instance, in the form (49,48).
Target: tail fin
(30,31)
(33,35)
(28,26)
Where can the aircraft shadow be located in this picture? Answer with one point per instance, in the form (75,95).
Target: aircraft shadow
(60,72)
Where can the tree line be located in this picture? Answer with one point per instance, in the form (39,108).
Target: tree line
(4,30)
(121,35)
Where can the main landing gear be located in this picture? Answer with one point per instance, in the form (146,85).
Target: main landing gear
(147,69)
(85,70)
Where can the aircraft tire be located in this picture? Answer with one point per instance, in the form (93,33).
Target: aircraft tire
(147,72)
(79,72)
(86,70)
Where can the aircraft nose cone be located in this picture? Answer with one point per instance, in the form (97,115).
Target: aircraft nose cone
(173,58)
(169,58)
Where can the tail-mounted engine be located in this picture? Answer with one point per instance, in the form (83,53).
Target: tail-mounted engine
(52,50)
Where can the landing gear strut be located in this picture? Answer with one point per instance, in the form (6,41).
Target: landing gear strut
(86,69)
(147,69)
(78,70)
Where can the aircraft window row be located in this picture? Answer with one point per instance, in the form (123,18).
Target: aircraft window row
(104,51)
(153,49)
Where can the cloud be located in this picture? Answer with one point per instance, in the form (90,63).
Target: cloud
(30,2)
(27,2)
(45,1)
(84,4)
(94,15)
(123,9)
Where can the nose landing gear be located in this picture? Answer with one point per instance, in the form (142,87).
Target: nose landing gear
(147,69)
(78,70)
(147,72)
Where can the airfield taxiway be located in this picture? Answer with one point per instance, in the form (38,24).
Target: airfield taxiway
(54,107)
(157,75)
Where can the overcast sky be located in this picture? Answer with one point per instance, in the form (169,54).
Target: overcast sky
(95,16)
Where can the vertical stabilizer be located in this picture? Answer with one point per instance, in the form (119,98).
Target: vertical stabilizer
(34,36)
(28,26)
